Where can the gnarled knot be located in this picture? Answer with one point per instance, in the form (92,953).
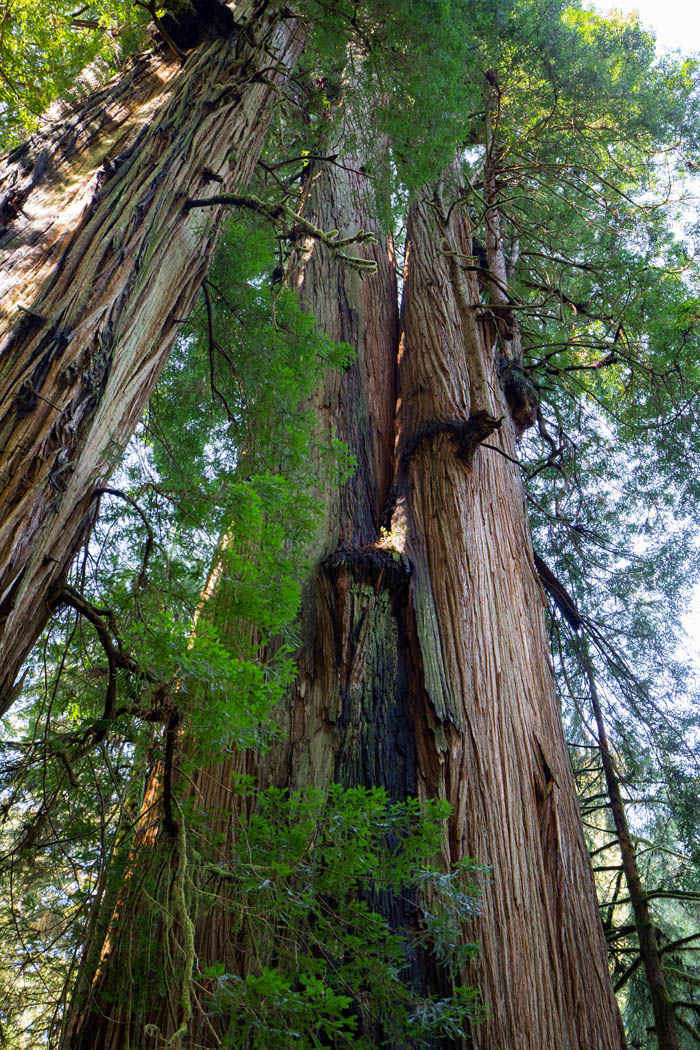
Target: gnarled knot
(466,433)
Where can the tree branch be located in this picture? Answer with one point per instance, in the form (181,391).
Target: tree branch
(301,226)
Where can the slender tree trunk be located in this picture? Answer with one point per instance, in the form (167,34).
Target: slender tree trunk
(661,1004)
(102,262)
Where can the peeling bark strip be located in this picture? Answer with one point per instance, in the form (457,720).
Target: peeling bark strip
(102,263)
(497,750)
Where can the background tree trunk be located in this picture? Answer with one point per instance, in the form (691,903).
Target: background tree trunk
(102,264)
(665,1027)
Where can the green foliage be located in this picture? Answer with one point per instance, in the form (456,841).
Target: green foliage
(217,487)
(232,494)
(405,64)
(305,890)
(44,48)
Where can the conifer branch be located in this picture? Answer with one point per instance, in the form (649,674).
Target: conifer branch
(274,213)
(141,579)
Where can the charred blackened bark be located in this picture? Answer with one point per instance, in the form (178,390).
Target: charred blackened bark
(495,747)
(347,602)
(102,262)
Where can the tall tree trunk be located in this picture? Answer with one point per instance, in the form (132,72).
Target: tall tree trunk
(426,669)
(102,263)
(357,406)
(495,748)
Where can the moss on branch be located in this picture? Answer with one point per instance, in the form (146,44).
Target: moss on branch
(301,227)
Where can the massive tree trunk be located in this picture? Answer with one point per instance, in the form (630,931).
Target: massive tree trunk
(102,262)
(426,668)
(495,747)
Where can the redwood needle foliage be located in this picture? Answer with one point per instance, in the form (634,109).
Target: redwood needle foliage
(44,48)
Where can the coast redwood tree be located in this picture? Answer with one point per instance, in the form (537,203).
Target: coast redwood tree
(423,667)
(101,263)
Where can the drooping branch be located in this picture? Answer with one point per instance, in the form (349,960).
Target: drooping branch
(662,1007)
(683,975)
(672,895)
(689,1028)
(141,579)
(301,226)
(562,599)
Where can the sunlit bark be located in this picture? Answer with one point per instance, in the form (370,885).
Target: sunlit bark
(495,748)
(102,262)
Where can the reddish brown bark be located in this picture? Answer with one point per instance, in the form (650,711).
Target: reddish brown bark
(356,405)
(102,263)
(430,674)
(495,748)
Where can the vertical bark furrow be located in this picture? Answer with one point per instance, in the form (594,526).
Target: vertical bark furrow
(356,407)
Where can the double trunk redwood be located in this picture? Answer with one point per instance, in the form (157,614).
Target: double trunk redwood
(427,670)
(102,262)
